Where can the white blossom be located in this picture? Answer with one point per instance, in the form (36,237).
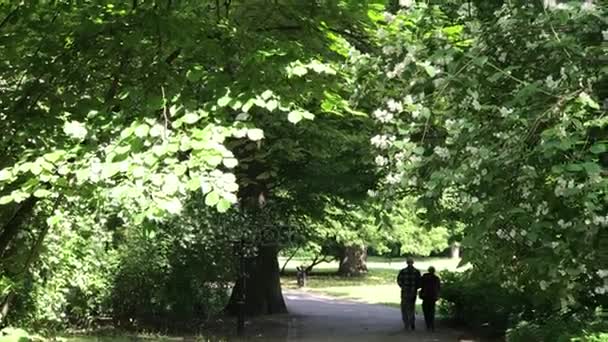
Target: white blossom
(605,35)
(442,152)
(406,3)
(381,161)
(393,178)
(394,106)
(382,141)
(383,115)
(504,112)
(408,100)
(397,70)
(389,17)
(382,33)
(552,84)
(603,273)
(390,50)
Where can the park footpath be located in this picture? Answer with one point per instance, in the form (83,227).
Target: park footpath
(317,318)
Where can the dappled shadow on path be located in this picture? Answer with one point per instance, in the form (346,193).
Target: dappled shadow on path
(315,317)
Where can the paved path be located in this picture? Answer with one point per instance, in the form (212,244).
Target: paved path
(315,317)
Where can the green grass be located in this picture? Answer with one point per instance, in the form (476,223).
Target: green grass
(378,286)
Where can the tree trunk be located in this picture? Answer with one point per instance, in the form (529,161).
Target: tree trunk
(263,293)
(11,228)
(353,261)
(455,250)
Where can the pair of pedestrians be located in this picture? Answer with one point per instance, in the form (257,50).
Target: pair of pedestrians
(410,280)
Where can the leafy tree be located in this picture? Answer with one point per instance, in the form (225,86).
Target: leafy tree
(498,116)
(127,109)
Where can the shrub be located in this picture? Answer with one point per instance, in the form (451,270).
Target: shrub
(571,327)
(479,302)
(163,286)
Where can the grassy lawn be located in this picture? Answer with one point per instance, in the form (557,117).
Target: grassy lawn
(377,287)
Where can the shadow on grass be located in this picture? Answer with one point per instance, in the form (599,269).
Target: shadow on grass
(329,278)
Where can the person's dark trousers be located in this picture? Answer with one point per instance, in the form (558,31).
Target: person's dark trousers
(408,311)
(428,308)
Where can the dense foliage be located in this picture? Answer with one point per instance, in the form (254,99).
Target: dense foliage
(149,144)
(494,117)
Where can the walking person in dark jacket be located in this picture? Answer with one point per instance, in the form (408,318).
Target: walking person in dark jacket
(409,281)
(430,285)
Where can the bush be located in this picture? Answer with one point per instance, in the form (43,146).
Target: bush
(581,327)
(479,302)
(161,285)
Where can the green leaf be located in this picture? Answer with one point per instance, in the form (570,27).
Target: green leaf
(295,116)
(194,183)
(172,206)
(157,130)
(585,99)
(75,129)
(55,156)
(223,205)
(255,134)
(592,168)
(213,160)
(212,198)
(272,105)
(266,95)
(574,167)
(36,168)
(191,118)
(230,162)
(247,106)
(5,174)
(171,184)
(6,199)
(109,170)
(142,130)
(224,101)
(430,70)
(42,193)
(299,71)
(419,150)
(598,148)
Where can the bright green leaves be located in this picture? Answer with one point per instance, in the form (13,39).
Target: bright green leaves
(195,73)
(5,174)
(142,130)
(212,198)
(223,205)
(191,118)
(586,100)
(296,116)
(599,148)
(75,130)
(255,134)
(299,69)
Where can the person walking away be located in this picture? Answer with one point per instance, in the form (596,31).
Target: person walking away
(409,282)
(430,285)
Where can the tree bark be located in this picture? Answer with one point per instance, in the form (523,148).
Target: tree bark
(455,250)
(353,261)
(263,295)
(11,228)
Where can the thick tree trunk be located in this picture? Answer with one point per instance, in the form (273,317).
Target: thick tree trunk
(455,250)
(263,293)
(11,228)
(353,261)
